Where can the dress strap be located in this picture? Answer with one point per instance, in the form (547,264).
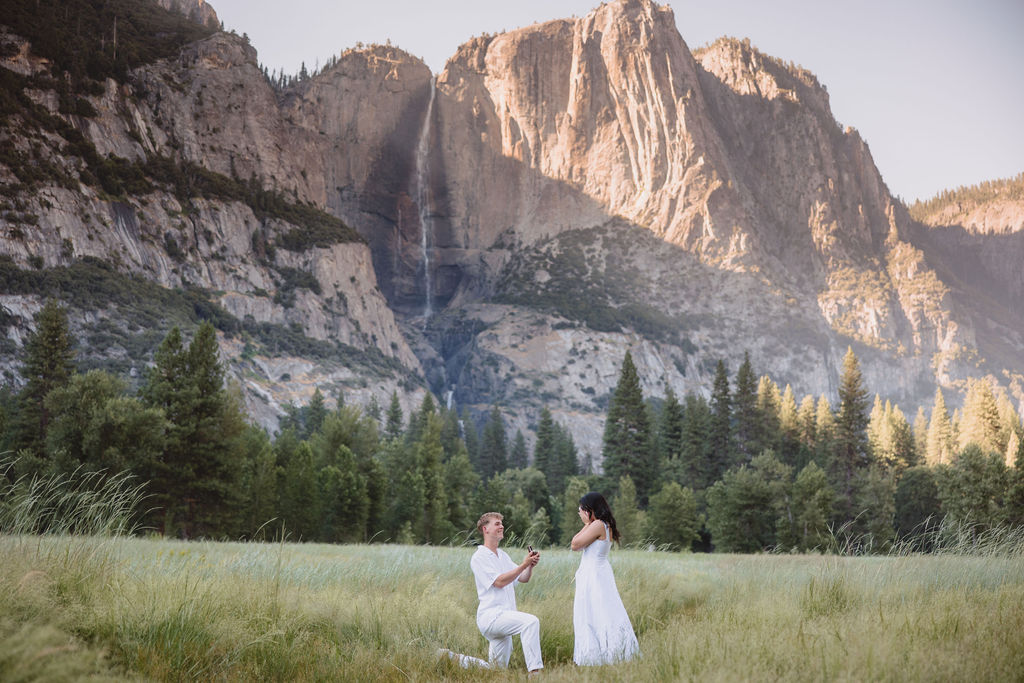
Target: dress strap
(607,531)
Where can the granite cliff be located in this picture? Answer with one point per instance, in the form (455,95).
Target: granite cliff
(556,195)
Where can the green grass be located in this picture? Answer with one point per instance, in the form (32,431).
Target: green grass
(169,610)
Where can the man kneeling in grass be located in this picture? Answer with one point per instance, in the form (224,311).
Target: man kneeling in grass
(497,616)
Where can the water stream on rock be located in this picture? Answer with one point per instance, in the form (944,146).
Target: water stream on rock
(422,192)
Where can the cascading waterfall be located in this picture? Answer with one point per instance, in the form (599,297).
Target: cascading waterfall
(422,193)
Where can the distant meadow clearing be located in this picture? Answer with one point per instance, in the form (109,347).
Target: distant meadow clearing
(91,608)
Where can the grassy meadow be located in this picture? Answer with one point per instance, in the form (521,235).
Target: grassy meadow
(93,608)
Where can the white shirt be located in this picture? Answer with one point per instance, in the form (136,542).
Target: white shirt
(486,567)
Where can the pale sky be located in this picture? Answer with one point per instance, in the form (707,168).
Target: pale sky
(935,87)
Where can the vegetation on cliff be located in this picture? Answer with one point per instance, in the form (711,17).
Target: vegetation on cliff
(588,278)
(128,315)
(966,197)
(41,147)
(88,41)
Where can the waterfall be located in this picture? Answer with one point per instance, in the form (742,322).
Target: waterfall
(422,192)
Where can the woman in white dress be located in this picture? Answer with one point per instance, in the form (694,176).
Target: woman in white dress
(603,631)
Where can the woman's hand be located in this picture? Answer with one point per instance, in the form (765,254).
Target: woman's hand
(588,534)
(585,517)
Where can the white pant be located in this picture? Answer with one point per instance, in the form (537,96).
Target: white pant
(500,632)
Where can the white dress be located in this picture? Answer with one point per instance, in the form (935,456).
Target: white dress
(603,631)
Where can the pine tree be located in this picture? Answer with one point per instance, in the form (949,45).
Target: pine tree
(877,429)
(670,427)
(493,446)
(49,364)
(373,409)
(372,472)
(407,504)
(850,454)
(544,447)
(471,438)
(939,447)
(807,417)
(433,526)
(824,433)
(902,450)
(1013,448)
(789,447)
(566,459)
(745,415)
(460,481)
(768,406)
(259,481)
(348,430)
(980,421)
(720,432)
(920,430)
(692,468)
(418,420)
(451,437)
(1009,420)
(517,456)
(315,413)
(394,425)
(197,480)
(627,445)
(343,499)
(300,497)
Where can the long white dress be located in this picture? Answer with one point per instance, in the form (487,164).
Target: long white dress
(603,631)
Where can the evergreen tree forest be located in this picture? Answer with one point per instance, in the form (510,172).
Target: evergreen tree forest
(747,469)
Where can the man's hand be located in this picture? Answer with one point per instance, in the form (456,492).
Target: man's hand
(526,568)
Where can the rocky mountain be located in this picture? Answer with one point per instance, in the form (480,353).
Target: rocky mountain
(557,195)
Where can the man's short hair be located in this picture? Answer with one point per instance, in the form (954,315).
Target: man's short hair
(485,518)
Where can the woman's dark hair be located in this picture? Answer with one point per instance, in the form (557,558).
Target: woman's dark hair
(595,504)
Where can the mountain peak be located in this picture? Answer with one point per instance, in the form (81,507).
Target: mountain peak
(748,71)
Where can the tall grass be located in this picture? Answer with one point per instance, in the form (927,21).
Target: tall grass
(56,546)
(78,606)
(957,537)
(80,503)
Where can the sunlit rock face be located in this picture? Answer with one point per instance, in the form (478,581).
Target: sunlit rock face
(729,157)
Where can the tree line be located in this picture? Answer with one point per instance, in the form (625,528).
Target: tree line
(747,469)
(750,469)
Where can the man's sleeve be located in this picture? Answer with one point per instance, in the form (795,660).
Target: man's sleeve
(485,571)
